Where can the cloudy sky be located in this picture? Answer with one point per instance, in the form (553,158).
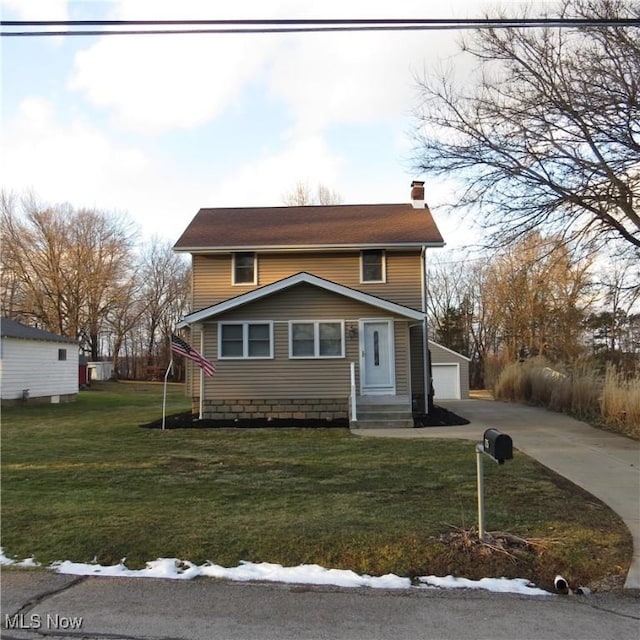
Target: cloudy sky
(159,126)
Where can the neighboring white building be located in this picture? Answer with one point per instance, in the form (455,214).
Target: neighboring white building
(36,364)
(99,371)
(450,371)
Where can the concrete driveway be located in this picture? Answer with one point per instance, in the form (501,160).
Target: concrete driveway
(604,464)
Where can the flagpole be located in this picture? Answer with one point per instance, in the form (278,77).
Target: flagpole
(164,391)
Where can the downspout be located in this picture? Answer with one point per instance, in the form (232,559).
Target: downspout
(425,331)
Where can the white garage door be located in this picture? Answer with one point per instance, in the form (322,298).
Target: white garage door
(446,381)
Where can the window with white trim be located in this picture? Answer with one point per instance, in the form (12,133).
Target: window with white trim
(245,340)
(373,266)
(316,339)
(244,268)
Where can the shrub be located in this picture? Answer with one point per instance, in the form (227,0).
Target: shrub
(612,399)
(620,401)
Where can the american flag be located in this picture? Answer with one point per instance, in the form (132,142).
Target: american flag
(180,347)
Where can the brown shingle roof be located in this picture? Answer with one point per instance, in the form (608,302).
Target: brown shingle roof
(331,225)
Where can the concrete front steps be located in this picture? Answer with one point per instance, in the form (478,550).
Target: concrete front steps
(383,412)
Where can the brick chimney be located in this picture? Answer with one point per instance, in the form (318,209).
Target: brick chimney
(417,194)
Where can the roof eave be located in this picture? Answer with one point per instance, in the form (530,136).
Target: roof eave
(302,277)
(60,339)
(311,247)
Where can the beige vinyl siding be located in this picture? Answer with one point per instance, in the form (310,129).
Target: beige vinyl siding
(282,377)
(212,275)
(417,367)
(192,372)
(401,330)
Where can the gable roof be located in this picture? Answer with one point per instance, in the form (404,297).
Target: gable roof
(298,278)
(451,351)
(12,329)
(327,226)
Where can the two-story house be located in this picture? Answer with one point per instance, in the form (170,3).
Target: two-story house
(311,312)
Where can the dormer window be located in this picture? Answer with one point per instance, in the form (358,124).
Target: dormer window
(245,268)
(373,266)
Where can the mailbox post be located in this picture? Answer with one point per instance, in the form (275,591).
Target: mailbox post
(499,447)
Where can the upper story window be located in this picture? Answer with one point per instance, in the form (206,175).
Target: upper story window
(245,268)
(62,354)
(373,267)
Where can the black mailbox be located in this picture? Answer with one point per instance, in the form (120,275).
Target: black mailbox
(498,445)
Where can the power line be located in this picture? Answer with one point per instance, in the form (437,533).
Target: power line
(324,21)
(259,26)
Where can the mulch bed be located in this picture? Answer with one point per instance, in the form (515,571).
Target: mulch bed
(440,417)
(191,421)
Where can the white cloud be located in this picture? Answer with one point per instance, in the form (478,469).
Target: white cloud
(350,78)
(157,83)
(36,9)
(80,164)
(39,151)
(266,180)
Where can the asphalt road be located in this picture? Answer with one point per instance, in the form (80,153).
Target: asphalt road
(45,604)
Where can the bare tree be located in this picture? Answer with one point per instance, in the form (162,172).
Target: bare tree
(458,311)
(302,195)
(123,318)
(549,138)
(614,323)
(536,298)
(103,258)
(527,299)
(165,278)
(67,267)
(12,290)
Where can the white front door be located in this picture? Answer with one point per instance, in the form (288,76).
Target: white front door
(377,357)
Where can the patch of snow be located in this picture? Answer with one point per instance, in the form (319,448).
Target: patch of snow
(176,569)
(27,562)
(304,574)
(499,585)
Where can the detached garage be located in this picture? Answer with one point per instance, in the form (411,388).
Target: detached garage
(450,371)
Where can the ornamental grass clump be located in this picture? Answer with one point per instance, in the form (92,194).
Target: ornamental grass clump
(611,400)
(620,401)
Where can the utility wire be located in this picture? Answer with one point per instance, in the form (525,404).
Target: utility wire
(291,25)
(323,21)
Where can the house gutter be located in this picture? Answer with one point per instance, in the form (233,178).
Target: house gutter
(398,246)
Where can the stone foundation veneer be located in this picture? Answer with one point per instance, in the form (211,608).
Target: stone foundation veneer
(298,408)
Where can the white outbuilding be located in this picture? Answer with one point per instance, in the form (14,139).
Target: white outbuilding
(450,371)
(36,365)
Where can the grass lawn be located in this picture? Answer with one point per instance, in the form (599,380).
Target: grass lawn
(84,482)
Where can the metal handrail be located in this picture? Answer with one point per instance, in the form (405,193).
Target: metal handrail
(352,397)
